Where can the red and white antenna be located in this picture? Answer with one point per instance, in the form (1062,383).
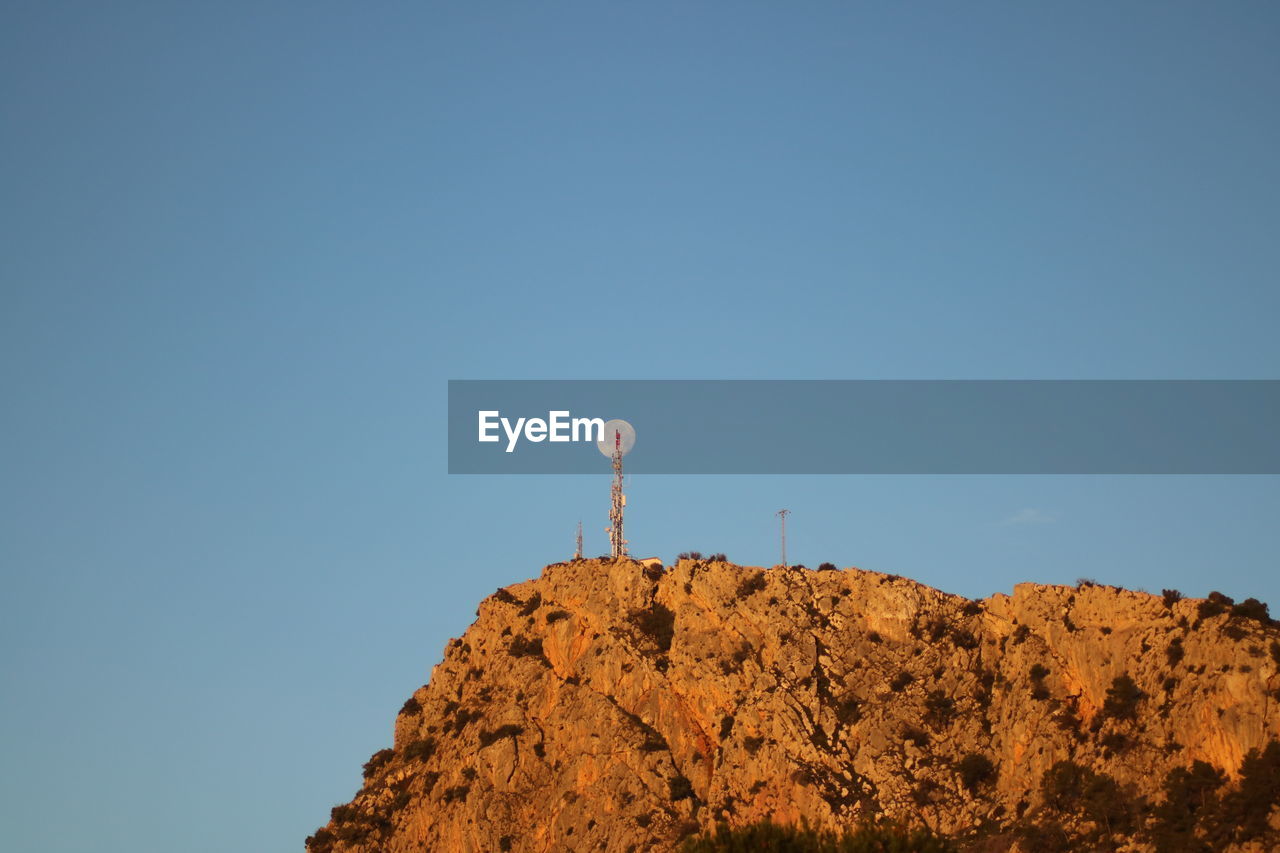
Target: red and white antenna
(619,437)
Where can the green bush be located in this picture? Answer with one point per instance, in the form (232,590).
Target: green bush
(768,837)
(1045,837)
(1171,597)
(1062,784)
(1038,689)
(1214,605)
(679,788)
(345,816)
(420,750)
(410,708)
(1175,651)
(975,769)
(1190,794)
(534,602)
(939,708)
(509,730)
(848,711)
(1107,806)
(751,585)
(1114,741)
(506,597)
(522,647)
(657,623)
(556,616)
(463,718)
(1068,788)
(351,824)
(377,761)
(901,680)
(321,842)
(1252,608)
(1122,699)
(1199,813)
(1243,814)
(457,792)
(915,736)
(1066,719)
(827,567)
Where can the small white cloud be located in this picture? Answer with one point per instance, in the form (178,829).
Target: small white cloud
(1029,515)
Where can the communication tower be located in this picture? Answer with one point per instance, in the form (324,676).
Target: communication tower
(577,554)
(617,543)
(619,437)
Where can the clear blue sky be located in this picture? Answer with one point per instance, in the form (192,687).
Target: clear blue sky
(244,245)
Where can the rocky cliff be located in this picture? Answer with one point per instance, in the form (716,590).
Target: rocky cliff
(609,706)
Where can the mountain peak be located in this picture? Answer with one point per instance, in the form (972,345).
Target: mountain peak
(613,705)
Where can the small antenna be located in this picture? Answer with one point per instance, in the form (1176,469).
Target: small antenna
(577,555)
(783,513)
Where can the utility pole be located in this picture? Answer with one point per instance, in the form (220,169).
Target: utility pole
(783,513)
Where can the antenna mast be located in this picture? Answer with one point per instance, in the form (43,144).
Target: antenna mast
(624,438)
(783,513)
(577,554)
(617,543)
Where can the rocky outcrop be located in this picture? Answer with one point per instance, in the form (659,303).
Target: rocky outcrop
(610,706)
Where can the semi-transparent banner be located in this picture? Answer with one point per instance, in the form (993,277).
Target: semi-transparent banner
(868,426)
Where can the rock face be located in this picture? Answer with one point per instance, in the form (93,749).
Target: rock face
(610,706)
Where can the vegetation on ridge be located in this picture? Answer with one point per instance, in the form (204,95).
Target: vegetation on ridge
(769,837)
